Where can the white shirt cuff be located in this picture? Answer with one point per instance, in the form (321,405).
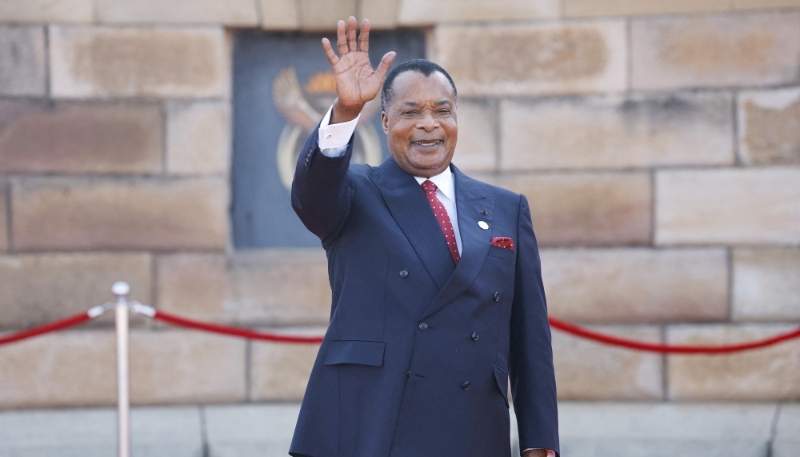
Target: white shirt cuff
(333,138)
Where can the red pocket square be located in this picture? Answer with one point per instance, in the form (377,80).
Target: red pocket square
(503,242)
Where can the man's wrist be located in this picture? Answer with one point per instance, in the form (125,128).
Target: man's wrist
(341,113)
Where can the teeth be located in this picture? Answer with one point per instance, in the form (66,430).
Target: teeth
(426,144)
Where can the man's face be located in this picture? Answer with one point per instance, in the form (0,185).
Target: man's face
(420,123)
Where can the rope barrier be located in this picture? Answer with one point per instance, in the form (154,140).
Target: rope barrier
(566,327)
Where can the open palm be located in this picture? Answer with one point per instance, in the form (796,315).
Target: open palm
(356,81)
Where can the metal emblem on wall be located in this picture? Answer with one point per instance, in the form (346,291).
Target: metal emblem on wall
(282,87)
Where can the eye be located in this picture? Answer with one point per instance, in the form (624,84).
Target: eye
(410,113)
(443,112)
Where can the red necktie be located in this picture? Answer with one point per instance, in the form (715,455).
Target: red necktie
(443,219)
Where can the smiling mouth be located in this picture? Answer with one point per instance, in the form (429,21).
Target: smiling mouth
(426,144)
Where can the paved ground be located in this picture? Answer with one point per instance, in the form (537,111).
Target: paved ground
(264,430)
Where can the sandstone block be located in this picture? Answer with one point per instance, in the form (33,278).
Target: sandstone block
(769,127)
(728,206)
(279,14)
(323,14)
(763,4)
(617,132)
(719,51)
(228,12)
(38,137)
(270,287)
(138,62)
(36,289)
(176,366)
(382,14)
(765,284)
(280,371)
(61,214)
(590,8)
(420,12)
(198,138)
(586,209)
(762,374)
(591,371)
(477,136)
(3,217)
(524,59)
(22,60)
(46,11)
(636,285)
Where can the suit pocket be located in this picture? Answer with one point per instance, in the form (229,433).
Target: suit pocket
(502,382)
(355,352)
(502,253)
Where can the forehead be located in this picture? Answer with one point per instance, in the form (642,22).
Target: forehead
(412,86)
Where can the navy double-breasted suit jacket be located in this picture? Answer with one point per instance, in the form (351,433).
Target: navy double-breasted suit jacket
(418,354)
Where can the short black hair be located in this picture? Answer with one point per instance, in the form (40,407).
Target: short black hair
(426,67)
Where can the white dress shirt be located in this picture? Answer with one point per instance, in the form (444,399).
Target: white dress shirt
(333,139)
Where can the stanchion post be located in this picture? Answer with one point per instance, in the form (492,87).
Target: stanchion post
(121,290)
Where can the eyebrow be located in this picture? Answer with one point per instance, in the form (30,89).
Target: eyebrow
(439,103)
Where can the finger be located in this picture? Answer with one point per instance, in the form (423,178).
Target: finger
(326,45)
(341,39)
(386,62)
(363,37)
(351,34)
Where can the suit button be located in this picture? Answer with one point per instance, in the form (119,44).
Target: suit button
(496,296)
(403,273)
(474,336)
(465,385)
(423,326)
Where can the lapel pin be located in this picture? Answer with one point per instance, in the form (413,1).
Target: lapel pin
(483,225)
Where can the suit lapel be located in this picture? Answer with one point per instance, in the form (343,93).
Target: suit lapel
(410,209)
(470,201)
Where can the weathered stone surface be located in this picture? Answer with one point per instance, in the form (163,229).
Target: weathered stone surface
(4,227)
(769,127)
(131,62)
(250,430)
(591,8)
(765,284)
(36,289)
(38,137)
(591,371)
(323,14)
(198,138)
(46,11)
(636,285)
(279,372)
(665,429)
(62,214)
(279,14)
(715,51)
(586,209)
(787,432)
(733,206)
(268,287)
(382,14)
(763,374)
(572,57)
(477,136)
(763,4)
(228,12)
(421,12)
(177,366)
(617,132)
(22,60)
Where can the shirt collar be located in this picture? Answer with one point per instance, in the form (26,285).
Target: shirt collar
(444,182)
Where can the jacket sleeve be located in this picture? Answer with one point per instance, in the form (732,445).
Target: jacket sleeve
(321,189)
(533,383)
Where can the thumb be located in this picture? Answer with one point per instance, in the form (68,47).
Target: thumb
(386,63)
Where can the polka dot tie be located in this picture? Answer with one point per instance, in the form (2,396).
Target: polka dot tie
(443,219)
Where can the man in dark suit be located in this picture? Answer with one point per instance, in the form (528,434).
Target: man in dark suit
(436,280)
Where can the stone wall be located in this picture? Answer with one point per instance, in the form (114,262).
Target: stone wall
(658,142)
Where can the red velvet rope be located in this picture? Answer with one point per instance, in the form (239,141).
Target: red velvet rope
(280,338)
(670,349)
(47,328)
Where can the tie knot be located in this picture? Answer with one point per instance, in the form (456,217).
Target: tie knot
(428,186)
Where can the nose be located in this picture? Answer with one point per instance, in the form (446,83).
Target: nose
(427,122)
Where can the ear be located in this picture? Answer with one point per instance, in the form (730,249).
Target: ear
(385,122)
